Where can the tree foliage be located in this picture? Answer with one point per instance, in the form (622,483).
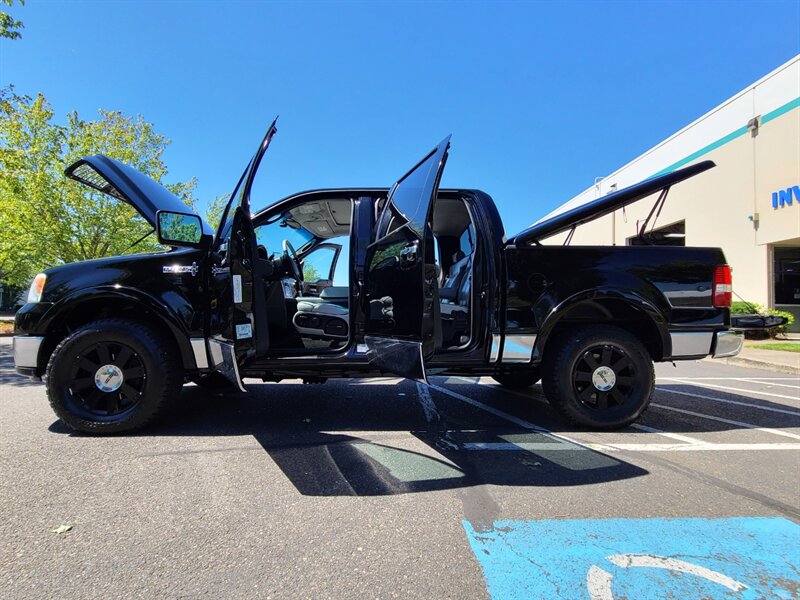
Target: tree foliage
(9,27)
(47,219)
(215,208)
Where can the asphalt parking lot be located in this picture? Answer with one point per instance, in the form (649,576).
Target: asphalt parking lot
(387,488)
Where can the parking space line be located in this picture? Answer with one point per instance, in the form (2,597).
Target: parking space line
(516,420)
(732,389)
(706,447)
(794,413)
(729,421)
(674,436)
(771,382)
(784,378)
(428,405)
(564,443)
(629,447)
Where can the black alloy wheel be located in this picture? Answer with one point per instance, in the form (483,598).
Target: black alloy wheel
(604,376)
(113,375)
(598,376)
(107,380)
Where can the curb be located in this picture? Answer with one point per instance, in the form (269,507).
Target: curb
(741,361)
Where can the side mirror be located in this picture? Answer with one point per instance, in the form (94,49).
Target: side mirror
(180,229)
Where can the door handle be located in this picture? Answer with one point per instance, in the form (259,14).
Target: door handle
(409,254)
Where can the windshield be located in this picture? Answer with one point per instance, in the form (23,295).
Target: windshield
(271,235)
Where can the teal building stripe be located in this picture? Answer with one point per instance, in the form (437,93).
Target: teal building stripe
(730,137)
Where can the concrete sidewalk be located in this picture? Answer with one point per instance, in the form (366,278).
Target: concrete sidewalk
(779,361)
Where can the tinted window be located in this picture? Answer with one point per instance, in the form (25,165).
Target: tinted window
(787,275)
(271,236)
(410,199)
(317,264)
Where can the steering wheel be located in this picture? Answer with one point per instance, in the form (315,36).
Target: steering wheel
(290,253)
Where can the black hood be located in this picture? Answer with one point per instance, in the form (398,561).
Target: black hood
(127,184)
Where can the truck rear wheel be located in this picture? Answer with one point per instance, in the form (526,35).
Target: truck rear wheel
(599,376)
(518,380)
(113,375)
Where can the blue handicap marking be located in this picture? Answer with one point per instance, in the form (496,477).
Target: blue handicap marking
(607,559)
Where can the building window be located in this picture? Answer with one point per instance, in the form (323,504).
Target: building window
(668,235)
(787,274)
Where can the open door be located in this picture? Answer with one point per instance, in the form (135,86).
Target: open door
(238,327)
(401,284)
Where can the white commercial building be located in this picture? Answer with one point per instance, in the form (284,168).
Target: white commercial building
(749,205)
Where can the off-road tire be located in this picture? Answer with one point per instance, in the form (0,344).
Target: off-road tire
(151,366)
(571,365)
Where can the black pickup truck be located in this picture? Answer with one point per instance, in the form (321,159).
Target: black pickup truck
(412,281)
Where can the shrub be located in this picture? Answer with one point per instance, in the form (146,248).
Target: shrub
(781,329)
(749,308)
(739,307)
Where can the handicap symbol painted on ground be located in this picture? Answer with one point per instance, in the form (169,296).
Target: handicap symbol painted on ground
(609,559)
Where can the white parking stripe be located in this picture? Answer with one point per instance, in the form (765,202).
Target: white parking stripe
(561,447)
(729,421)
(794,413)
(428,405)
(770,383)
(674,436)
(732,389)
(784,378)
(562,442)
(508,417)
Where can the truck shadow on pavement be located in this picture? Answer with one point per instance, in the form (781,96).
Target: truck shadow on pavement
(375,440)
(351,439)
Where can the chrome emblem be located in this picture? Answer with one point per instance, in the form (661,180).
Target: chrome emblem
(193,269)
(604,378)
(108,378)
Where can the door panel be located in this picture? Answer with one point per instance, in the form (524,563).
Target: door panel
(401,285)
(238,331)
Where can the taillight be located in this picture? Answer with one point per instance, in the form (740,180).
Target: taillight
(722,289)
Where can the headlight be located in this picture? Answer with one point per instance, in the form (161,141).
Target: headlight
(37,287)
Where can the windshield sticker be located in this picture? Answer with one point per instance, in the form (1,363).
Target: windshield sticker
(237,289)
(244,331)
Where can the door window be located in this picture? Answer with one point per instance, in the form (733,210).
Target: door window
(318,265)
(411,197)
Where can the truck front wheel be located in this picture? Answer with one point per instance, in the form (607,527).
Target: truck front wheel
(599,376)
(113,375)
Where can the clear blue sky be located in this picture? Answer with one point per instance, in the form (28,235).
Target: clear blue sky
(541,98)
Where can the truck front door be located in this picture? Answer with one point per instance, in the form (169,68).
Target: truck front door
(402,305)
(236,330)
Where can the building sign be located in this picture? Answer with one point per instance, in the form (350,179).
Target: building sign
(783,197)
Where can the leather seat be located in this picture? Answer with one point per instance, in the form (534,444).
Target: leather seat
(455,287)
(325,316)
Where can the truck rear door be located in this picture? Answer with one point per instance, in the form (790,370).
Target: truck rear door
(402,304)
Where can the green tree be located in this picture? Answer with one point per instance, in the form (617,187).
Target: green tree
(215,208)
(9,27)
(47,219)
(310,273)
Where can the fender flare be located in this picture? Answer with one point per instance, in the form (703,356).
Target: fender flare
(559,309)
(162,311)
